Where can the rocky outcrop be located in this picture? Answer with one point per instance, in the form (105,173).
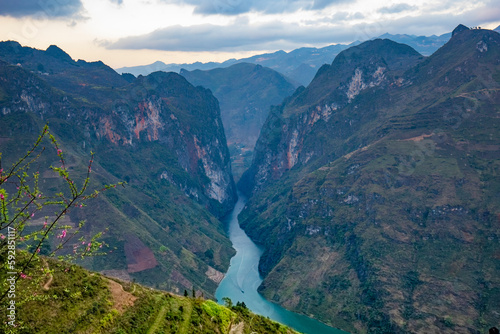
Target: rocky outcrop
(163,108)
(283,142)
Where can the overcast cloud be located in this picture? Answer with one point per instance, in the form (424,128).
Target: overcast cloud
(49,8)
(239,36)
(397,8)
(129,32)
(242,35)
(235,7)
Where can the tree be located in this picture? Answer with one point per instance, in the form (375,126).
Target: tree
(227,302)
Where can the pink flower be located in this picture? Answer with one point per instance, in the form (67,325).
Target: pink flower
(2,197)
(38,250)
(63,234)
(33,214)
(44,224)
(59,151)
(2,236)
(23,275)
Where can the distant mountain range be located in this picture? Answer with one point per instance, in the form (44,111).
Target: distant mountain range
(300,64)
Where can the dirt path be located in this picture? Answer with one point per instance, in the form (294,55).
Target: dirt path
(47,284)
(121,298)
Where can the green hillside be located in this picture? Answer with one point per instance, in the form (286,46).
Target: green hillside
(72,300)
(159,134)
(376,190)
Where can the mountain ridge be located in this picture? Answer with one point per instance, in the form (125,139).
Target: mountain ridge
(160,134)
(367,200)
(302,63)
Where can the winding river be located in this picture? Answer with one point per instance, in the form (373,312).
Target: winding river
(243,279)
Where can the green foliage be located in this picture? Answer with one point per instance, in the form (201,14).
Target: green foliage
(390,200)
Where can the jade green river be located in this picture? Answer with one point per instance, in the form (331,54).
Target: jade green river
(243,279)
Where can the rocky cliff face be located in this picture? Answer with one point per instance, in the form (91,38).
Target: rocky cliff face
(373,66)
(378,215)
(156,108)
(159,133)
(245,93)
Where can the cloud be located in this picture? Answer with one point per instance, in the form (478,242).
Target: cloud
(344,16)
(241,36)
(397,8)
(49,8)
(342,27)
(235,7)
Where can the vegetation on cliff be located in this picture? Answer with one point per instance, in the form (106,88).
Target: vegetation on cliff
(376,190)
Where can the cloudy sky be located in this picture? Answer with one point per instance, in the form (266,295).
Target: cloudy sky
(137,32)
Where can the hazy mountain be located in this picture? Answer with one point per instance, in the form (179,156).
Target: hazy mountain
(426,45)
(159,133)
(245,93)
(300,64)
(375,190)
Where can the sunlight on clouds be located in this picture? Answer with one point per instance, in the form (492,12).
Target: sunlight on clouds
(101,29)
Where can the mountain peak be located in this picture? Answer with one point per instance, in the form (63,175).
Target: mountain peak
(58,53)
(458,29)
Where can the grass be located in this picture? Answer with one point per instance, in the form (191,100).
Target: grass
(79,301)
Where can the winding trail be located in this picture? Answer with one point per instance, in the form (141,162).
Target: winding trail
(159,318)
(46,286)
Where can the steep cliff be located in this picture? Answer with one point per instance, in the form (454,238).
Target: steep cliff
(375,190)
(245,93)
(161,135)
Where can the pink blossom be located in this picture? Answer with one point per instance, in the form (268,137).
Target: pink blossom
(2,236)
(44,224)
(2,197)
(1,171)
(33,214)
(38,250)
(63,233)
(59,151)
(83,242)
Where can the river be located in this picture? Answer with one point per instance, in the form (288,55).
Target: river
(243,279)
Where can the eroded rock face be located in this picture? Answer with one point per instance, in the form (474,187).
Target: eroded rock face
(283,142)
(368,190)
(162,108)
